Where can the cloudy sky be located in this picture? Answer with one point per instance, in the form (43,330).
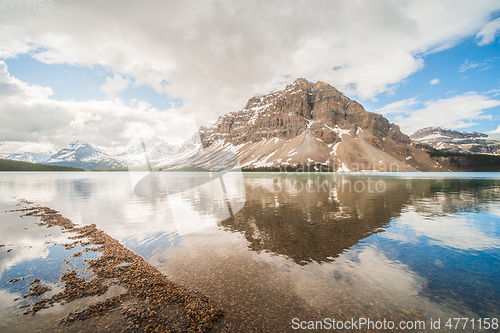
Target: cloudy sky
(102,71)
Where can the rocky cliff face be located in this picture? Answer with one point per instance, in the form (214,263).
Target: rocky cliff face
(314,123)
(455,141)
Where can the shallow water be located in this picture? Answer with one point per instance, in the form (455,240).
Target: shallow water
(269,248)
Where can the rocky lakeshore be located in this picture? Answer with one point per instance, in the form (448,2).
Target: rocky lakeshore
(150,302)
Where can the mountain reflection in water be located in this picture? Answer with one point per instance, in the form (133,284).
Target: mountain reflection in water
(305,221)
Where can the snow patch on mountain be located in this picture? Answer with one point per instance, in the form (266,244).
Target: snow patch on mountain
(456,141)
(30,157)
(77,152)
(152,151)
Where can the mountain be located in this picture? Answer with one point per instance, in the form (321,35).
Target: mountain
(29,157)
(307,123)
(80,154)
(455,141)
(156,150)
(191,155)
(78,151)
(192,144)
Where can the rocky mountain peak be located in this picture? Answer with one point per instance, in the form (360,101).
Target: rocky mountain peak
(300,84)
(301,106)
(320,85)
(79,144)
(315,117)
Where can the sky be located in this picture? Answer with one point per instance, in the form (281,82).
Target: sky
(103,71)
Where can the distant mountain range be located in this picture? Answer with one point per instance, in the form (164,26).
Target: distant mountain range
(455,141)
(80,154)
(29,157)
(304,124)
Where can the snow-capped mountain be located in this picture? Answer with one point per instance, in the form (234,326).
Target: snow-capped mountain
(83,155)
(80,154)
(77,152)
(191,155)
(306,123)
(193,143)
(456,141)
(156,150)
(29,157)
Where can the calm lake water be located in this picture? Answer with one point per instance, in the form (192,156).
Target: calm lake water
(273,250)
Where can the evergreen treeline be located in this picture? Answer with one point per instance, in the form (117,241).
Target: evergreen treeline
(470,162)
(10,165)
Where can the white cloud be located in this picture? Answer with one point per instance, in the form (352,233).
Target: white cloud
(434,81)
(214,55)
(27,147)
(468,65)
(28,241)
(32,120)
(114,85)
(402,106)
(13,89)
(494,134)
(460,111)
(489,32)
(455,231)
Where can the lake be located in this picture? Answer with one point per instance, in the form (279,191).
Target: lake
(277,252)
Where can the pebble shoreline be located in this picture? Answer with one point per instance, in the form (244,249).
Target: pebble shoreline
(151,303)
